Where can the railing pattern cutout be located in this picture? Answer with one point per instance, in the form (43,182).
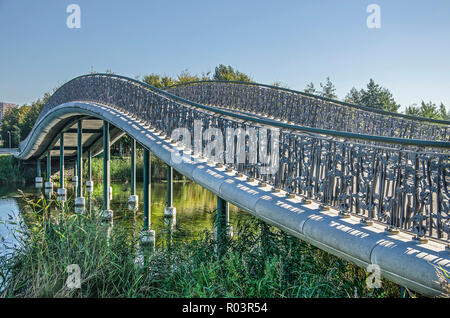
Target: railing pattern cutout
(401,188)
(306,110)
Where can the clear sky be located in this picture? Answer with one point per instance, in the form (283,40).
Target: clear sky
(293,42)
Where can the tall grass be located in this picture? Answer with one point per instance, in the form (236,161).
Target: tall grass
(260,261)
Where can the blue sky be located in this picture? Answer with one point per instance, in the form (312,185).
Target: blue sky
(293,42)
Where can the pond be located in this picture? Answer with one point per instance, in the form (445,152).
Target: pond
(195,210)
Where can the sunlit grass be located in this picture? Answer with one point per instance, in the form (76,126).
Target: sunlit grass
(260,261)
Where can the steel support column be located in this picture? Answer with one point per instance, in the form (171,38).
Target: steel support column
(38,179)
(62,195)
(147,235)
(133,198)
(80,201)
(48,186)
(222,222)
(80,157)
(169,210)
(106,213)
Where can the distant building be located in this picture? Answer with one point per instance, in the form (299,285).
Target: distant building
(3,108)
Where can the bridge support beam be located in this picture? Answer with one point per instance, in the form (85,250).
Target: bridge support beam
(75,179)
(169,211)
(222,223)
(48,187)
(133,199)
(62,194)
(80,201)
(147,235)
(106,212)
(38,179)
(89,182)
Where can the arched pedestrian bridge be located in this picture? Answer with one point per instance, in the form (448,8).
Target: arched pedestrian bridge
(366,185)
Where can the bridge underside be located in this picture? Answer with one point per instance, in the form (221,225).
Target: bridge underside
(401,258)
(92,135)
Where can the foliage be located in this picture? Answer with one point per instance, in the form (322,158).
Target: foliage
(374,96)
(428,110)
(328,90)
(227,73)
(261,261)
(20,120)
(10,169)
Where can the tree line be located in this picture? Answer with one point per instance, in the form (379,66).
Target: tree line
(18,121)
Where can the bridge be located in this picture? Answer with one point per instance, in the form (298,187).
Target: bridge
(366,185)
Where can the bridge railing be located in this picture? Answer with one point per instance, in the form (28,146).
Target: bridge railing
(311,110)
(402,188)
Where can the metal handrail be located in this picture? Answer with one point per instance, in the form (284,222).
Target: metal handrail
(335,133)
(365,108)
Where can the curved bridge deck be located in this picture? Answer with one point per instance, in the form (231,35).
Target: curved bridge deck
(368,198)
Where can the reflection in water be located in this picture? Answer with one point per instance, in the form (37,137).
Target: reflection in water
(195,213)
(195,210)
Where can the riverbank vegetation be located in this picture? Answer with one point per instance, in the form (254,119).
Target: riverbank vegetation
(13,170)
(260,261)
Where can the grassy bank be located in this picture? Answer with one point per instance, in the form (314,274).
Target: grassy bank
(260,261)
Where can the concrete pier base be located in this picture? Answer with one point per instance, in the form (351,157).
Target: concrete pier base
(106,215)
(38,182)
(80,205)
(170,211)
(147,238)
(133,202)
(61,195)
(75,182)
(48,189)
(90,186)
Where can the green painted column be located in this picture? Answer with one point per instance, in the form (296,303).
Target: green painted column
(75,179)
(222,223)
(61,194)
(38,168)
(48,185)
(106,167)
(89,164)
(38,180)
(61,160)
(169,198)
(80,201)
(80,157)
(169,211)
(133,167)
(133,200)
(147,190)
(147,235)
(49,166)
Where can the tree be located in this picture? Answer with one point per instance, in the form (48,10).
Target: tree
(310,89)
(443,112)
(153,80)
(227,73)
(373,96)
(20,120)
(186,77)
(328,89)
(428,110)
(353,97)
